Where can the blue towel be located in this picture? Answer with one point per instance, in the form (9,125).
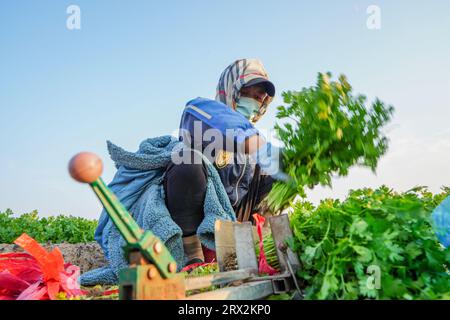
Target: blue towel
(138,185)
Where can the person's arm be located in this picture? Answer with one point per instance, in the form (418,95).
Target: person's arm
(231,125)
(235,131)
(254,143)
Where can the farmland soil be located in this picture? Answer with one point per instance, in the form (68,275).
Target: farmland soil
(87,256)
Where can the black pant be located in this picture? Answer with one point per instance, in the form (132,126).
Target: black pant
(185,188)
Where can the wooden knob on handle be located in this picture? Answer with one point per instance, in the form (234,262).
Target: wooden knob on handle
(86,167)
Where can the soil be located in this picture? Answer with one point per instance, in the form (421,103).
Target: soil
(87,256)
(230,262)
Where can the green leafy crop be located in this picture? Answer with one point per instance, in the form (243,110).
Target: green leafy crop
(327,131)
(376,244)
(55,229)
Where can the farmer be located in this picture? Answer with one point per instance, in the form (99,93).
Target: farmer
(243,94)
(221,167)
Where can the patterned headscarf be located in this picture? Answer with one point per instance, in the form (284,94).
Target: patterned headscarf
(236,76)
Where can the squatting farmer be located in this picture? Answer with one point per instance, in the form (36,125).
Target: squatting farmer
(220,167)
(243,94)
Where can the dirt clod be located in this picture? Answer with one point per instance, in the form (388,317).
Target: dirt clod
(230,262)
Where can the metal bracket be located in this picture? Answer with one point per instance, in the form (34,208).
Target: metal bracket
(281,233)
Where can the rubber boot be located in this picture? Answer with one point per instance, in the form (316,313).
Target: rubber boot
(193,249)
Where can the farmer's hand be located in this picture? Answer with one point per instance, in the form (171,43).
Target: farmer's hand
(269,158)
(253,143)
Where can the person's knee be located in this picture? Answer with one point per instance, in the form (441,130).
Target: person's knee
(191,175)
(185,187)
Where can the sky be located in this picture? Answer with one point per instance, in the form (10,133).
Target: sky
(127,73)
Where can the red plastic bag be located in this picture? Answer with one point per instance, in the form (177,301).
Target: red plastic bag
(263,266)
(36,275)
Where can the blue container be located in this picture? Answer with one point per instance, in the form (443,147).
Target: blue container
(441,219)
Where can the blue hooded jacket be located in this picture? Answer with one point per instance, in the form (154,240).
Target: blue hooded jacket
(214,118)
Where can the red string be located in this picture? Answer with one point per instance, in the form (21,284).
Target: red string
(263,266)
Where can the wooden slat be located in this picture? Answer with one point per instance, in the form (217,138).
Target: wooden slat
(247,291)
(216,279)
(245,246)
(224,240)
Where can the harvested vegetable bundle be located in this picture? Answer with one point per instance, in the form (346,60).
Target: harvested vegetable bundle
(270,251)
(375,244)
(328,131)
(264,266)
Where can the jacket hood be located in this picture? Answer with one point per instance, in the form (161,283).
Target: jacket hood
(153,153)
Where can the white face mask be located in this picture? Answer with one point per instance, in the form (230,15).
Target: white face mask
(247,106)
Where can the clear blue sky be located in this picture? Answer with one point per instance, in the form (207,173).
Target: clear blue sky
(126,75)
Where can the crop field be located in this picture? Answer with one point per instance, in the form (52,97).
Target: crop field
(343,246)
